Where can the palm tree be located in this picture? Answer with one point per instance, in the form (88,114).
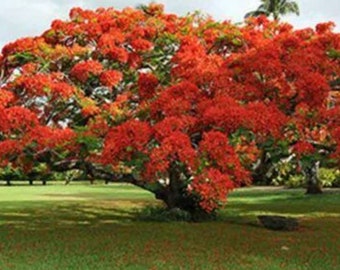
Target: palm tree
(276,8)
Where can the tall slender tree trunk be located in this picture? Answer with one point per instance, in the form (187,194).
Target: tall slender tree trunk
(312,179)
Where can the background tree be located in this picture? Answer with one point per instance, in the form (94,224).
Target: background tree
(275,8)
(269,70)
(180,106)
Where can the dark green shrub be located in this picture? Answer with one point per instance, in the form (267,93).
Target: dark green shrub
(159,213)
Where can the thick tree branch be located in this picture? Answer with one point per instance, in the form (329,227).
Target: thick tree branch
(99,172)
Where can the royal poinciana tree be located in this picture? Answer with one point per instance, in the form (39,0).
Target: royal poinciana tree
(185,107)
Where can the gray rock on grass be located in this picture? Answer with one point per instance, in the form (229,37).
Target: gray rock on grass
(279,223)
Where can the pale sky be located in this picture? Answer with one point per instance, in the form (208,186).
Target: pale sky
(22,18)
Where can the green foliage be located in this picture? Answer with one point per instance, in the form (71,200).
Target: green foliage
(67,176)
(283,171)
(287,176)
(334,54)
(329,177)
(276,8)
(21,57)
(9,173)
(89,143)
(295,181)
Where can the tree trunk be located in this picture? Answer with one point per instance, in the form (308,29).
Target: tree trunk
(259,175)
(174,195)
(312,179)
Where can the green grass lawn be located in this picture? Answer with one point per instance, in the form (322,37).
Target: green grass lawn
(93,227)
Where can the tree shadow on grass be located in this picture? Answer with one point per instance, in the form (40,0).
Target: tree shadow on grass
(244,207)
(292,202)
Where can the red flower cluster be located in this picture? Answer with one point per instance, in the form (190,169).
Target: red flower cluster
(41,84)
(185,124)
(212,186)
(216,146)
(265,120)
(62,89)
(336,136)
(176,146)
(9,148)
(89,107)
(176,100)
(229,118)
(108,45)
(98,127)
(193,64)
(147,83)
(215,149)
(58,139)
(141,45)
(302,148)
(4,124)
(18,119)
(21,45)
(313,89)
(35,85)
(6,97)
(107,41)
(324,28)
(83,70)
(123,141)
(111,78)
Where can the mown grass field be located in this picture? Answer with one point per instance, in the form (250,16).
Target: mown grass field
(94,227)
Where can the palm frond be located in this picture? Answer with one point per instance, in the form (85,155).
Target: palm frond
(276,8)
(256,13)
